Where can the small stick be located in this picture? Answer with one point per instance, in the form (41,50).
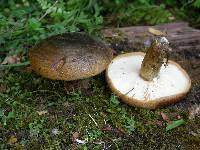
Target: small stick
(48,10)
(93,120)
(15,65)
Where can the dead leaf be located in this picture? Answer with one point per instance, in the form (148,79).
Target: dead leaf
(108,128)
(121,130)
(98,142)
(194,111)
(165,117)
(80,141)
(11,60)
(156,32)
(12,140)
(75,136)
(103,114)
(40,113)
(159,123)
(178,117)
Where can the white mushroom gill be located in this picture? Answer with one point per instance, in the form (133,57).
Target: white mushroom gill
(124,75)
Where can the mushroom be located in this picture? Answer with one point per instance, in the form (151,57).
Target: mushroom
(70,56)
(148,80)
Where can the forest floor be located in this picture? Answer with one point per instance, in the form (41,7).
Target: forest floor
(39,114)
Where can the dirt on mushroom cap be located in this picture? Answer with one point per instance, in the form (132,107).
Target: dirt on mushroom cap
(70,56)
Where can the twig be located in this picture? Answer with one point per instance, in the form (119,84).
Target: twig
(47,91)
(48,11)
(15,65)
(129,91)
(93,120)
(113,140)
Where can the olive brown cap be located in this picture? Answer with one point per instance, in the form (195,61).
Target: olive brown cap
(70,56)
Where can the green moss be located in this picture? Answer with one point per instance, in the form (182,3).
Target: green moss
(25,94)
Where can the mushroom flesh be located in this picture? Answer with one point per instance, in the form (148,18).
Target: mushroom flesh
(145,81)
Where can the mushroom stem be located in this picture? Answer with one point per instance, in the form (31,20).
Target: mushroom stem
(81,85)
(154,58)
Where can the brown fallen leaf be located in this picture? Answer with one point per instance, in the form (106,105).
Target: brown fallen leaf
(12,140)
(121,130)
(165,117)
(11,60)
(40,113)
(156,32)
(178,117)
(103,114)
(107,128)
(75,136)
(75,139)
(159,123)
(194,111)
(98,142)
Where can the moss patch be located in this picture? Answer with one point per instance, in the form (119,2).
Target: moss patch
(101,120)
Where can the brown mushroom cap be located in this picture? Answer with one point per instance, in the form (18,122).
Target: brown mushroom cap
(70,56)
(122,75)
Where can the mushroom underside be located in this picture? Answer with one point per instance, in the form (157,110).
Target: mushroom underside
(171,84)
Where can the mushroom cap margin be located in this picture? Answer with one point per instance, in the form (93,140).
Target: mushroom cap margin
(149,104)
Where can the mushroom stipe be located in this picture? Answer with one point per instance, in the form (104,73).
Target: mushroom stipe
(170,86)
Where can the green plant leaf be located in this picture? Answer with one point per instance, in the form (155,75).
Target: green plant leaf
(1,113)
(33,24)
(174,124)
(196,3)
(114,100)
(130,124)
(11,115)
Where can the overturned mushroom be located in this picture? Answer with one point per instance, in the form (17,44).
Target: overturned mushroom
(148,81)
(70,56)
